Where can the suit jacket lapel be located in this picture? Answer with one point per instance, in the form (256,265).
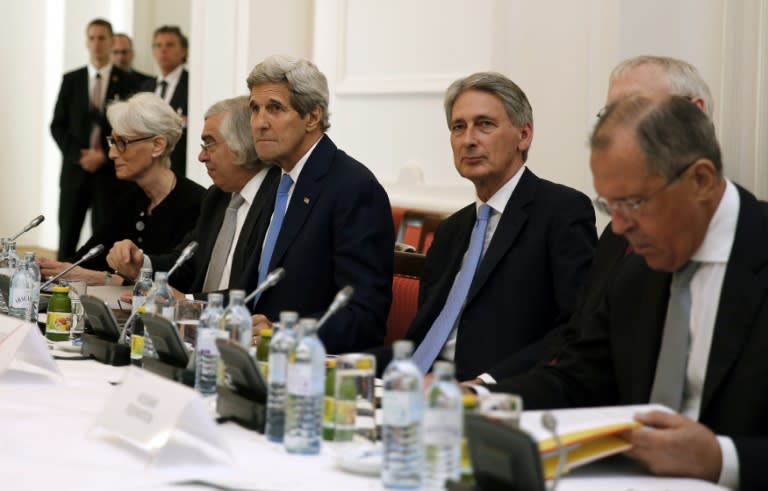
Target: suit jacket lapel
(261,203)
(743,291)
(305,193)
(179,97)
(510,224)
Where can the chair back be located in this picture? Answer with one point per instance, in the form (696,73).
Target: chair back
(405,294)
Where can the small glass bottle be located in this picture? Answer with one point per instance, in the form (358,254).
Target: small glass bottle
(262,349)
(207,357)
(20,292)
(59,318)
(237,319)
(141,288)
(34,272)
(137,337)
(282,344)
(329,400)
(443,428)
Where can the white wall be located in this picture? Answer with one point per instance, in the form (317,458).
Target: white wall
(388,64)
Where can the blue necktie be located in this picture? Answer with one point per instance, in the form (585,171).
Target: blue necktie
(438,334)
(281,203)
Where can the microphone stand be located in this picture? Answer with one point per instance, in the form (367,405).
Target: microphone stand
(95,251)
(34,223)
(272,278)
(549,422)
(341,299)
(187,253)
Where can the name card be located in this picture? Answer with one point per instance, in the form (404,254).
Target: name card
(21,340)
(148,411)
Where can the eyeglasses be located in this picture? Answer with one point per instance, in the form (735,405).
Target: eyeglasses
(631,207)
(206,146)
(121,143)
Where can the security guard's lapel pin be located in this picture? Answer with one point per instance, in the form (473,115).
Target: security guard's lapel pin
(306,200)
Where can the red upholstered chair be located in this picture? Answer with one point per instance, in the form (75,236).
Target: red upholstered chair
(397,217)
(417,228)
(405,294)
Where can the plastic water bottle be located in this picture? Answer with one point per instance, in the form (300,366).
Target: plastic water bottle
(283,342)
(159,301)
(237,319)
(8,256)
(34,272)
(305,383)
(403,410)
(443,428)
(20,292)
(207,357)
(141,288)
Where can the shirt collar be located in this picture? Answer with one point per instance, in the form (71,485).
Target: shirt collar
(252,186)
(103,71)
(718,241)
(498,201)
(296,171)
(173,77)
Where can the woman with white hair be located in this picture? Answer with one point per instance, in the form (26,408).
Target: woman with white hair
(161,209)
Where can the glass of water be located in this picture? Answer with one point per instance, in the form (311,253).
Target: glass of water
(187,318)
(354,398)
(76,288)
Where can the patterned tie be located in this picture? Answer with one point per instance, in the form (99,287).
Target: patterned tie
(669,382)
(223,244)
(281,203)
(438,334)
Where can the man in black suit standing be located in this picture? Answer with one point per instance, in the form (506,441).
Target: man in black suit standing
(330,224)
(169,47)
(80,128)
(505,270)
(226,231)
(683,322)
(122,57)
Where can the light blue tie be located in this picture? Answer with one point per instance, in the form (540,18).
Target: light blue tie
(281,203)
(438,334)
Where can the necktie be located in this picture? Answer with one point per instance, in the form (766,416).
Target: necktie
(669,382)
(96,93)
(223,244)
(94,140)
(438,334)
(163,87)
(281,203)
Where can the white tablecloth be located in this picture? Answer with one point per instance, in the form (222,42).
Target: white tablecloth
(48,442)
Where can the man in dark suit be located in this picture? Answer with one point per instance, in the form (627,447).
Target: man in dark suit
(122,57)
(536,247)
(80,128)
(241,182)
(169,46)
(695,343)
(331,223)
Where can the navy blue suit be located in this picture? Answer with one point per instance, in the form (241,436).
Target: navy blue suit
(337,231)
(526,283)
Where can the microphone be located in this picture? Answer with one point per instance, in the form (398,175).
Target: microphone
(271,280)
(188,252)
(549,422)
(341,299)
(34,223)
(94,251)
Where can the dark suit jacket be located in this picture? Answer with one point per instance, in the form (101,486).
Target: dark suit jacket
(190,276)
(337,231)
(614,361)
(179,104)
(73,119)
(525,285)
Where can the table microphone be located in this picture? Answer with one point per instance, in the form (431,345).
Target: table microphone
(341,299)
(187,253)
(272,278)
(549,422)
(34,223)
(95,251)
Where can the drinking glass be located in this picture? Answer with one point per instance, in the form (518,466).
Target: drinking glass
(355,404)
(187,318)
(76,288)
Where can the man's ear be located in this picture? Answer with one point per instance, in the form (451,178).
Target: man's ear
(314,119)
(526,136)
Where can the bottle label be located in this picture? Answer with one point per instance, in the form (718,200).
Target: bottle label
(206,342)
(401,408)
(168,312)
(278,364)
(58,322)
(442,427)
(21,298)
(137,346)
(298,381)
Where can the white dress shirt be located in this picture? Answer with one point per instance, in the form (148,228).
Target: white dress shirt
(172,79)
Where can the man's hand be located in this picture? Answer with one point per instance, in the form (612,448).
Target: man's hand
(259,322)
(50,268)
(673,445)
(126,258)
(92,160)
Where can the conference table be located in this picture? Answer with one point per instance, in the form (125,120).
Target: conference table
(49,442)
